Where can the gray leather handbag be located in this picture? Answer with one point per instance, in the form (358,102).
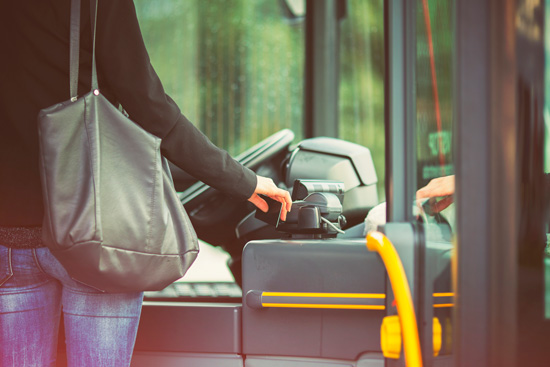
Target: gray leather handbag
(112,216)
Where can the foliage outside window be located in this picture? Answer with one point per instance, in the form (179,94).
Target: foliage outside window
(362,80)
(235,67)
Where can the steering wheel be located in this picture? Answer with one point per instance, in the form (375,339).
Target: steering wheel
(251,158)
(214,214)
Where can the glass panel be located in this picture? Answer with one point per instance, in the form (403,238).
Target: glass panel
(234,67)
(434,76)
(434,108)
(362,80)
(434,90)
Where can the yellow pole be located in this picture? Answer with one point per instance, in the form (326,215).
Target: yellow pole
(376,241)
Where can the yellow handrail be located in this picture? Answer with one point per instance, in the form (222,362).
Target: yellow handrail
(376,241)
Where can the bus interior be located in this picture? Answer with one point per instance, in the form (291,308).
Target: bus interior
(354,105)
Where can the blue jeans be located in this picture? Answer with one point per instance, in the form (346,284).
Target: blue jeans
(100,328)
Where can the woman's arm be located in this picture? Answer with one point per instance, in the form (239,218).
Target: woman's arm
(125,69)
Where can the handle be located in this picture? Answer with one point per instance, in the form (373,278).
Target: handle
(74,48)
(376,241)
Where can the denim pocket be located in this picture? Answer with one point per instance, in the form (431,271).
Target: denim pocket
(86,287)
(6,271)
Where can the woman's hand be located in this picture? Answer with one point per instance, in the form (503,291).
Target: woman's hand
(267,187)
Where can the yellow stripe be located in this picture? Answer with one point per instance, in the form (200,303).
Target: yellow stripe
(302,305)
(443,294)
(327,295)
(444,305)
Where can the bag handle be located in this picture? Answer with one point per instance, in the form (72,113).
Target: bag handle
(75,47)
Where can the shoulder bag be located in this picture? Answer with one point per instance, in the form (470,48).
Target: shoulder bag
(112,216)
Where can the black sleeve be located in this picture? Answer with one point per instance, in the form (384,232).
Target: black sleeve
(124,63)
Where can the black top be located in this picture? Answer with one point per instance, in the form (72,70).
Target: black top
(34,74)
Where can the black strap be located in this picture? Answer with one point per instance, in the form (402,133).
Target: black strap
(75,46)
(93,18)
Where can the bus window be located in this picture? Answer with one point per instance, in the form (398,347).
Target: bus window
(236,70)
(434,90)
(361,102)
(434,110)
(235,67)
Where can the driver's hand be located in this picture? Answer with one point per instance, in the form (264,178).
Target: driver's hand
(442,187)
(267,187)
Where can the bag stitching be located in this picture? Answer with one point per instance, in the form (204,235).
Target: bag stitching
(138,252)
(45,183)
(150,254)
(153,197)
(97,207)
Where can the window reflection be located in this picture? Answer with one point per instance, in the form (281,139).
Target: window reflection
(434,89)
(434,122)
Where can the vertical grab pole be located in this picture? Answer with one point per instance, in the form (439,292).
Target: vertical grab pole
(376,241)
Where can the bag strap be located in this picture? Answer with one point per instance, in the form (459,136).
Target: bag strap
(93,18)
(75,46)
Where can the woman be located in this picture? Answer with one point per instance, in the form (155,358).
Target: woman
(34,288)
